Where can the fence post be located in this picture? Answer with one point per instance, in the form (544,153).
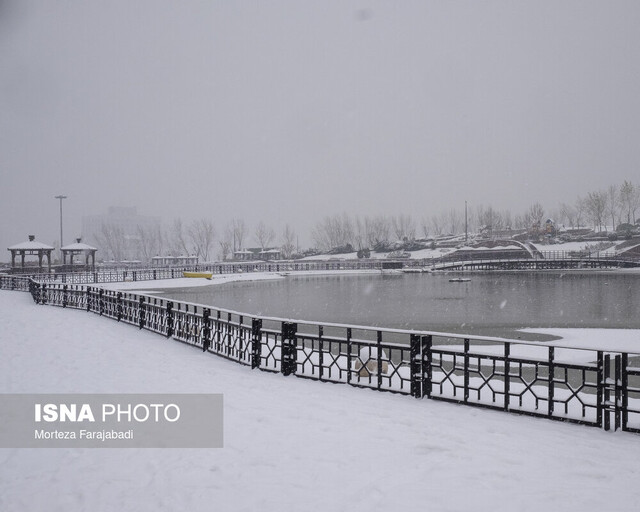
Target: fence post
(256,342)
(379,350)
(466,370)
(43,293)
(600,389)
(552,371)
(618,390)
(348,355)
(320,352)
(142,313)
(101,301)
(625,390)
(417,367)
(119,306)
(289,349)
(206,331)
(169,313)
(507,354)
(64,296)
(427,357)
(88,298)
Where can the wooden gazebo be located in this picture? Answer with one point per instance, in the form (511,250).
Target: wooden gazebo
(30,248)
(79,249)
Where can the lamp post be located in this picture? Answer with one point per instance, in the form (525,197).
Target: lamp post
(61,197)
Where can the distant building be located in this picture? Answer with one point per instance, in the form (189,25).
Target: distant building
(256,253)
(118,232)
(169,261)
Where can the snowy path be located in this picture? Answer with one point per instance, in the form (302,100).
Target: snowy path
(290,444)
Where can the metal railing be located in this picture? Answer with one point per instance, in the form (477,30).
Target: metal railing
(148,274)
(590,387)
(474,260)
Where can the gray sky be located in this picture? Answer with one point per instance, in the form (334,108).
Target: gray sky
(285,111)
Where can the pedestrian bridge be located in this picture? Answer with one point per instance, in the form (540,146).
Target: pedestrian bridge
(539,263)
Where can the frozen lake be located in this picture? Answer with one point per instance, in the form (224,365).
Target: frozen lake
(489,304)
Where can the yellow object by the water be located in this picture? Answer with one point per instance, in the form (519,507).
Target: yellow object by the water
(206,275)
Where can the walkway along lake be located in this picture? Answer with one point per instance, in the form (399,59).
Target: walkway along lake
(491,303)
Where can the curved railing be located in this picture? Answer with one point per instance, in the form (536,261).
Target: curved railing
(147,274)
(588,386)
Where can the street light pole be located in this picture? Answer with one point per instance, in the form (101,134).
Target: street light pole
(61,197)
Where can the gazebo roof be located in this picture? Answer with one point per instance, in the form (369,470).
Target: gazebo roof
(78,246)
(31,245)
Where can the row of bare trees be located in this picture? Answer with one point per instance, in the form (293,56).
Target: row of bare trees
(598,209)
(604,208)
(196,238)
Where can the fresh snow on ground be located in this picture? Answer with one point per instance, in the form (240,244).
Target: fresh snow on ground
(290,444)
(613,340)
(420,254)
(190,282)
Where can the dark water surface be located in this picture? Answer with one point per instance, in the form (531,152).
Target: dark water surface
(490,304)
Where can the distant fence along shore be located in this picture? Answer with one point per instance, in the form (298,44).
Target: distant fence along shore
(590,387)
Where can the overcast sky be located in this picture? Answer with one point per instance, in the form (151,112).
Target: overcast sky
(285,111)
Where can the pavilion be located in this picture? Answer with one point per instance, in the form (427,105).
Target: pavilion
(30,248)
(79,249)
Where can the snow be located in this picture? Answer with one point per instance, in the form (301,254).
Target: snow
(31,245)
(420,254)
(290,444)
(189,282)
(612,340)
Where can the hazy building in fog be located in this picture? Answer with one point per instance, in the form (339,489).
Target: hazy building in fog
(121,233)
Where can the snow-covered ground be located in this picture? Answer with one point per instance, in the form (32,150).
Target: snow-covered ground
(290,444)
(190,282)
(443,251)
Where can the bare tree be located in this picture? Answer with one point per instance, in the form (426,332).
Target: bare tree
(264,235)
(332,232)
(403,227)
(581,210)
(489,219)
(288,242)
(596,205)
(226,243)
(112,239)
(149,240)
(629,200)
(424,226)
(568,214)
(238,232)
(359,233)
(377,230)
(178,239)
(506,219)
(613,204)
(201,234)
(521,222)
(536,214)
(438,223)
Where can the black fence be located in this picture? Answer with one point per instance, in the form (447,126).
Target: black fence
(148,274)
(20,283)
(590,387)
